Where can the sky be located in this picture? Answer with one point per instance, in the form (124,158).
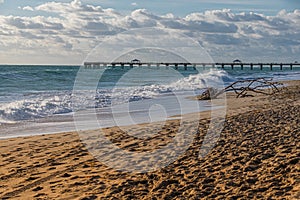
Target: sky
(64,32)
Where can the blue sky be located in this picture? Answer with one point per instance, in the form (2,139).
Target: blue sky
(184,7)
(64,32)
(177,7)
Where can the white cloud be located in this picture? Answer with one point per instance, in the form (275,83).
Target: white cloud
(78,27)
(36,22)
(1,1)
(134,4)
(64,8)
(28,8)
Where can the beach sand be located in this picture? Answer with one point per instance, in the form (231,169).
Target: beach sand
(256,157)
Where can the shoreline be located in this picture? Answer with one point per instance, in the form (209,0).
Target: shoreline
(255,157)
(69,118)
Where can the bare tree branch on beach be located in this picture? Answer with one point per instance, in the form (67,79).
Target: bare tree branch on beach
(242,88)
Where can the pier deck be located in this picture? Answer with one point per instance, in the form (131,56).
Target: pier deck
(281,66)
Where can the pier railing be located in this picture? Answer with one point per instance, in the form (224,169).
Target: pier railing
(185,66)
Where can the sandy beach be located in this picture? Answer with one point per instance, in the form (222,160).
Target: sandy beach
(256,157)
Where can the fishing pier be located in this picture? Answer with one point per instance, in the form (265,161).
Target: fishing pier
(185,66)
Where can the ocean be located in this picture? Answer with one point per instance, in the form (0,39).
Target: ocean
(41,99)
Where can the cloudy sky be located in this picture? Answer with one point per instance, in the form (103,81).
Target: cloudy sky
(64,32)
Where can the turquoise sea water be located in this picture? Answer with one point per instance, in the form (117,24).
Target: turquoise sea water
(32,93)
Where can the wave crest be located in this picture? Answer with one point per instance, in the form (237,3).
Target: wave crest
(41,105)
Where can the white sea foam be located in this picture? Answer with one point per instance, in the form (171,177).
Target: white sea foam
(35,107)
(39,105)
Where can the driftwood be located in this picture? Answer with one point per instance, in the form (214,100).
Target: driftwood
(243,87)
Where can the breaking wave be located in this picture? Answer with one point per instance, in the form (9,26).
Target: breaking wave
(43,104)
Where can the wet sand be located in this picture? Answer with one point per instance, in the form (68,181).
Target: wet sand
(255,157)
